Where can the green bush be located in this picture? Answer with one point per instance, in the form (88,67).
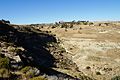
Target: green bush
(38,78)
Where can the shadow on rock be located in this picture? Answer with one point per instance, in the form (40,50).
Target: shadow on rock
(35,44)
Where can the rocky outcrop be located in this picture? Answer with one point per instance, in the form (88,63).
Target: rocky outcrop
(26,46)
(4,22)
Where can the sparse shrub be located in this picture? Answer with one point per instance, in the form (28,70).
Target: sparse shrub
(91,23)
(26,73)
(2,56)
(86,23)
(80,28)
(83,22)
(64,25)
(4,73)
(4,66)
(88,67)
(15,49)
(79,22)
(98,73)
(27,29)
(0,49)
(65,30)
(56,24)
(11,49)
(29,75)
(53,27)
(38,78)
(86,78)
(79,32)
(71,48)
(71,25)
(5,44)
(47,31)
(4,62)
(107,69)
(116,78)
(107,24)
(26,69)
(30,72)
(62,50)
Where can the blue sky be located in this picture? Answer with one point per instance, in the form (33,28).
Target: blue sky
(46,11)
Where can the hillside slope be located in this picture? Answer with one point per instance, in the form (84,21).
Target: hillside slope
(94,48)
(27,52)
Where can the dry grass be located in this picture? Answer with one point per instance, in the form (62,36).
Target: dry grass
(94,46)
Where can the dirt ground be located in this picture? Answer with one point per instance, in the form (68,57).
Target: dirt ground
(95,49)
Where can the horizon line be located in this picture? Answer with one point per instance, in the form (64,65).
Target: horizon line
(64,21)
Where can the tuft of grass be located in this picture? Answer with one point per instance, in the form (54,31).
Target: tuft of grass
(11,49)
(4,67)
(26,69)
(38,78)
(4,73)
(4,62)
(116,78)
